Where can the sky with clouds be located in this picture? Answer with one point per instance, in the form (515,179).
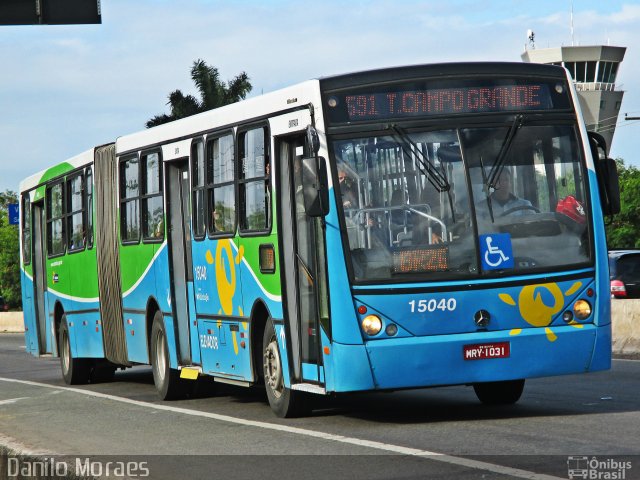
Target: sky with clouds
(64,89)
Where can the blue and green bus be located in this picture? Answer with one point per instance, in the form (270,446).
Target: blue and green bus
(391,229)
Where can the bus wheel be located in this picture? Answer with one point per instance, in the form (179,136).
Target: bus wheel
(75,371)
(166,379)
(499,393)
(284,402)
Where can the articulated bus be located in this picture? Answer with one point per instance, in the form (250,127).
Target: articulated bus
(392,229)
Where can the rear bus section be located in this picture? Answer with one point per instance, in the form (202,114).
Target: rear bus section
(59,265)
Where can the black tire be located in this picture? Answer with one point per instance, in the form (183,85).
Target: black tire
(102,372)
(499,393)
(167,380)
(284,402)
(75,371)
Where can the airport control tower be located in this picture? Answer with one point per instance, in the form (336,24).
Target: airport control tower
(594,70)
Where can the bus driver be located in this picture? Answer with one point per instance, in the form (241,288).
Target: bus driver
(503,201)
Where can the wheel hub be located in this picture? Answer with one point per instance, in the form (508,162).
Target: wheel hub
(160,357)
(273,369)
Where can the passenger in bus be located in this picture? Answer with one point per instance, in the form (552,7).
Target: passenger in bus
(217,221)
(503,201)
(347,189)
(158,232)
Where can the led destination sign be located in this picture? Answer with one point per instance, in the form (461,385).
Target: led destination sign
(399,102)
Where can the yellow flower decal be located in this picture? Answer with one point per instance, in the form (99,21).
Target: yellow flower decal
(535,311)
(225,267)
(226,285)
(532,307)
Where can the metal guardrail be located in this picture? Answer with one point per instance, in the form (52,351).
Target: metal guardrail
(595,86)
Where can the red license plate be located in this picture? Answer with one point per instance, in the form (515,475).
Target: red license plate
(482,351)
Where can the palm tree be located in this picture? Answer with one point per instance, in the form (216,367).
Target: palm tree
(213,92)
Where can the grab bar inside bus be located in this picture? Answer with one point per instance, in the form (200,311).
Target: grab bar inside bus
(361,214)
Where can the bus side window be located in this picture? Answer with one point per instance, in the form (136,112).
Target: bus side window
(75,214)
(130,201)
(152,205)
(55,220)
(89,206)
(198,220)
(253,178)
(26,229)
(221,185)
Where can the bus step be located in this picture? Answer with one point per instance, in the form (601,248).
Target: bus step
(190,373)
(309,388)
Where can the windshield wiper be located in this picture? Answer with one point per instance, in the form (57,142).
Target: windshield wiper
(426,166)
(498,165)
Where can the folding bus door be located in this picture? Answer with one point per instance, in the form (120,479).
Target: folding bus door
(180,258)
(304,267)
(39,277)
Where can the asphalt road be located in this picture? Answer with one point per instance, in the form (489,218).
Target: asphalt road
(591,422)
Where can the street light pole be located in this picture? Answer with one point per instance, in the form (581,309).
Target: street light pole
(627,117)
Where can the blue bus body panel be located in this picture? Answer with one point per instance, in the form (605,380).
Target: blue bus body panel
(225,349)
(350,369)
(225,290)
(428,348)
(282,343)
(344,324)
(30,329)
(602,284)
(196,359)
(154,284)
(85,331)
(452,311)
(85,328)
(439,360)
(134,304)
(217,280)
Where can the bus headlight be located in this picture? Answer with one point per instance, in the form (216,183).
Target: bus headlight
(371,324)
(582,309)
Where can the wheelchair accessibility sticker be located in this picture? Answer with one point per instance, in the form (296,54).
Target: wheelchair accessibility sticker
(496,251)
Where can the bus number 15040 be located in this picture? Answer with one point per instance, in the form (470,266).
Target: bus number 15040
(443,304)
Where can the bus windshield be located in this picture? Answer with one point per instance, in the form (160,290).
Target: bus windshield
(455,203)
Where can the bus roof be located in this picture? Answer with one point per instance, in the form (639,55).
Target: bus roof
(289,98)
(441,70)
(82,159)
(250,110)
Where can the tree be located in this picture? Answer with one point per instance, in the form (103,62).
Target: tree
(624,230)
(213,93)
(9,253)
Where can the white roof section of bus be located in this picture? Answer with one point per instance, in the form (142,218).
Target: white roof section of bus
(84,158)
(240,112)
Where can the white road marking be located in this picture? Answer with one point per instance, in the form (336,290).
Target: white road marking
(398,449)
(12,400)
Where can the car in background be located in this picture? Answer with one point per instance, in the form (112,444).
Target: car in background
(4,307)
(624,273)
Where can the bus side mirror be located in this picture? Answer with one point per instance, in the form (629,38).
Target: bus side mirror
(607,173)
(608,176)
(315,187)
